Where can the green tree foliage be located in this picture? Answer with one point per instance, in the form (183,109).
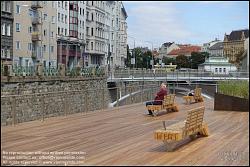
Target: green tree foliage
(168,60)
(182,62)
(128,59)
(197,58)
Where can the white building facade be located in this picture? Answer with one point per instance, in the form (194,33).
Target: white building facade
(166,48)
(206,46)
(217,65)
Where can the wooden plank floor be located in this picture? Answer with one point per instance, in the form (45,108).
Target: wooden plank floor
(125,137)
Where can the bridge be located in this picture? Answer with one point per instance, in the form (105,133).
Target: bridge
(190,76)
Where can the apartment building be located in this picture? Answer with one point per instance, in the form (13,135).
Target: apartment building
(85,33)
(6,31)
(234,44)
(34,33)
(106,33)
(70,32)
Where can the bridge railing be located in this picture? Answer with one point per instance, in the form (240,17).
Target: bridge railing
(197,74)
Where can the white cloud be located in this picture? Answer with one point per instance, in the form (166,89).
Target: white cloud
(156,22)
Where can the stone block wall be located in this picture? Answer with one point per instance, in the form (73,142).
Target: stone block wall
(21,102)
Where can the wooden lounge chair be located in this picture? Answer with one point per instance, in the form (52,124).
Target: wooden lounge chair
(194,124)
(168,104)
(197,96)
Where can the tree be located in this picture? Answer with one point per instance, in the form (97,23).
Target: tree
(182,61)
(197,58)
(168,60)
(128,60)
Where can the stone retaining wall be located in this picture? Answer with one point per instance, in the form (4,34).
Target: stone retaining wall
(21,102)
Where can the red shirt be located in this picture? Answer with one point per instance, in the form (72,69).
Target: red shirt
(160,95)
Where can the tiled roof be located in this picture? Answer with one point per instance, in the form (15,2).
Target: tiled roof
(185,49)
(168,44)
(217,46)
(236,35)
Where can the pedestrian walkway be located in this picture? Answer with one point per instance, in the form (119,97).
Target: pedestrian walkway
(125,136)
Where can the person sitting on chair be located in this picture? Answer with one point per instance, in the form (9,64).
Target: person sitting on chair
(191,93)
(159,97)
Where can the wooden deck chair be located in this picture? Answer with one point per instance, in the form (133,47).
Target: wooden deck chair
(168,104)
(197,96)
(194,124)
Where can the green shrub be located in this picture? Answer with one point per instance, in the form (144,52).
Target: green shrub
(234,88)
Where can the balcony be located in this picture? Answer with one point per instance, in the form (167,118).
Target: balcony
(36,4)
(36,36)
(36,20)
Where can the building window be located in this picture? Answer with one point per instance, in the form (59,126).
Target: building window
(80,23)
(58,30)
(80,11)
(87,29)
(7,6)
(8,29)
(220,70)
(44,33)
(18,45)
(8,53)
(45,17)
(66,19)
(58,3)
(224,70)
(51,49)
(62,30)
(30,46)
(18,27)
(30,29)
(53,19)
(62,17)
(92,16)
(2,53)
(52,34)
(53,4)
(92,31)
(3,29)
(44,48)
(66,5)
(17,9)
(58,19)
(65,32)
(92,46)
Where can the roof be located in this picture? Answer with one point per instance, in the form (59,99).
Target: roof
(236,35)
(185,49)
(168,44)
(217,46)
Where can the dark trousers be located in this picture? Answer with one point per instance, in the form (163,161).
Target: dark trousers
(153,103)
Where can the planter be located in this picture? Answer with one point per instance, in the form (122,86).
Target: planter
(230,103)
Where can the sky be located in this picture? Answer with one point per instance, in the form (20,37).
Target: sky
(183,22)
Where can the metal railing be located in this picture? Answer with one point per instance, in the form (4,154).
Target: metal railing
(53,71)
(175,75)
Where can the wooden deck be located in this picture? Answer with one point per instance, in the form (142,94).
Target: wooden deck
(125,137)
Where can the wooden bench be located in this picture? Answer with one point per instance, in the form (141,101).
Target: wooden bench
(194,124)
(168,104)
(197,96)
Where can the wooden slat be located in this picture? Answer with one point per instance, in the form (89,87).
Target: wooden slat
(125,137)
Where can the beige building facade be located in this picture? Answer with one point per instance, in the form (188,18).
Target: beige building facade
(34,33)
(234,44)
